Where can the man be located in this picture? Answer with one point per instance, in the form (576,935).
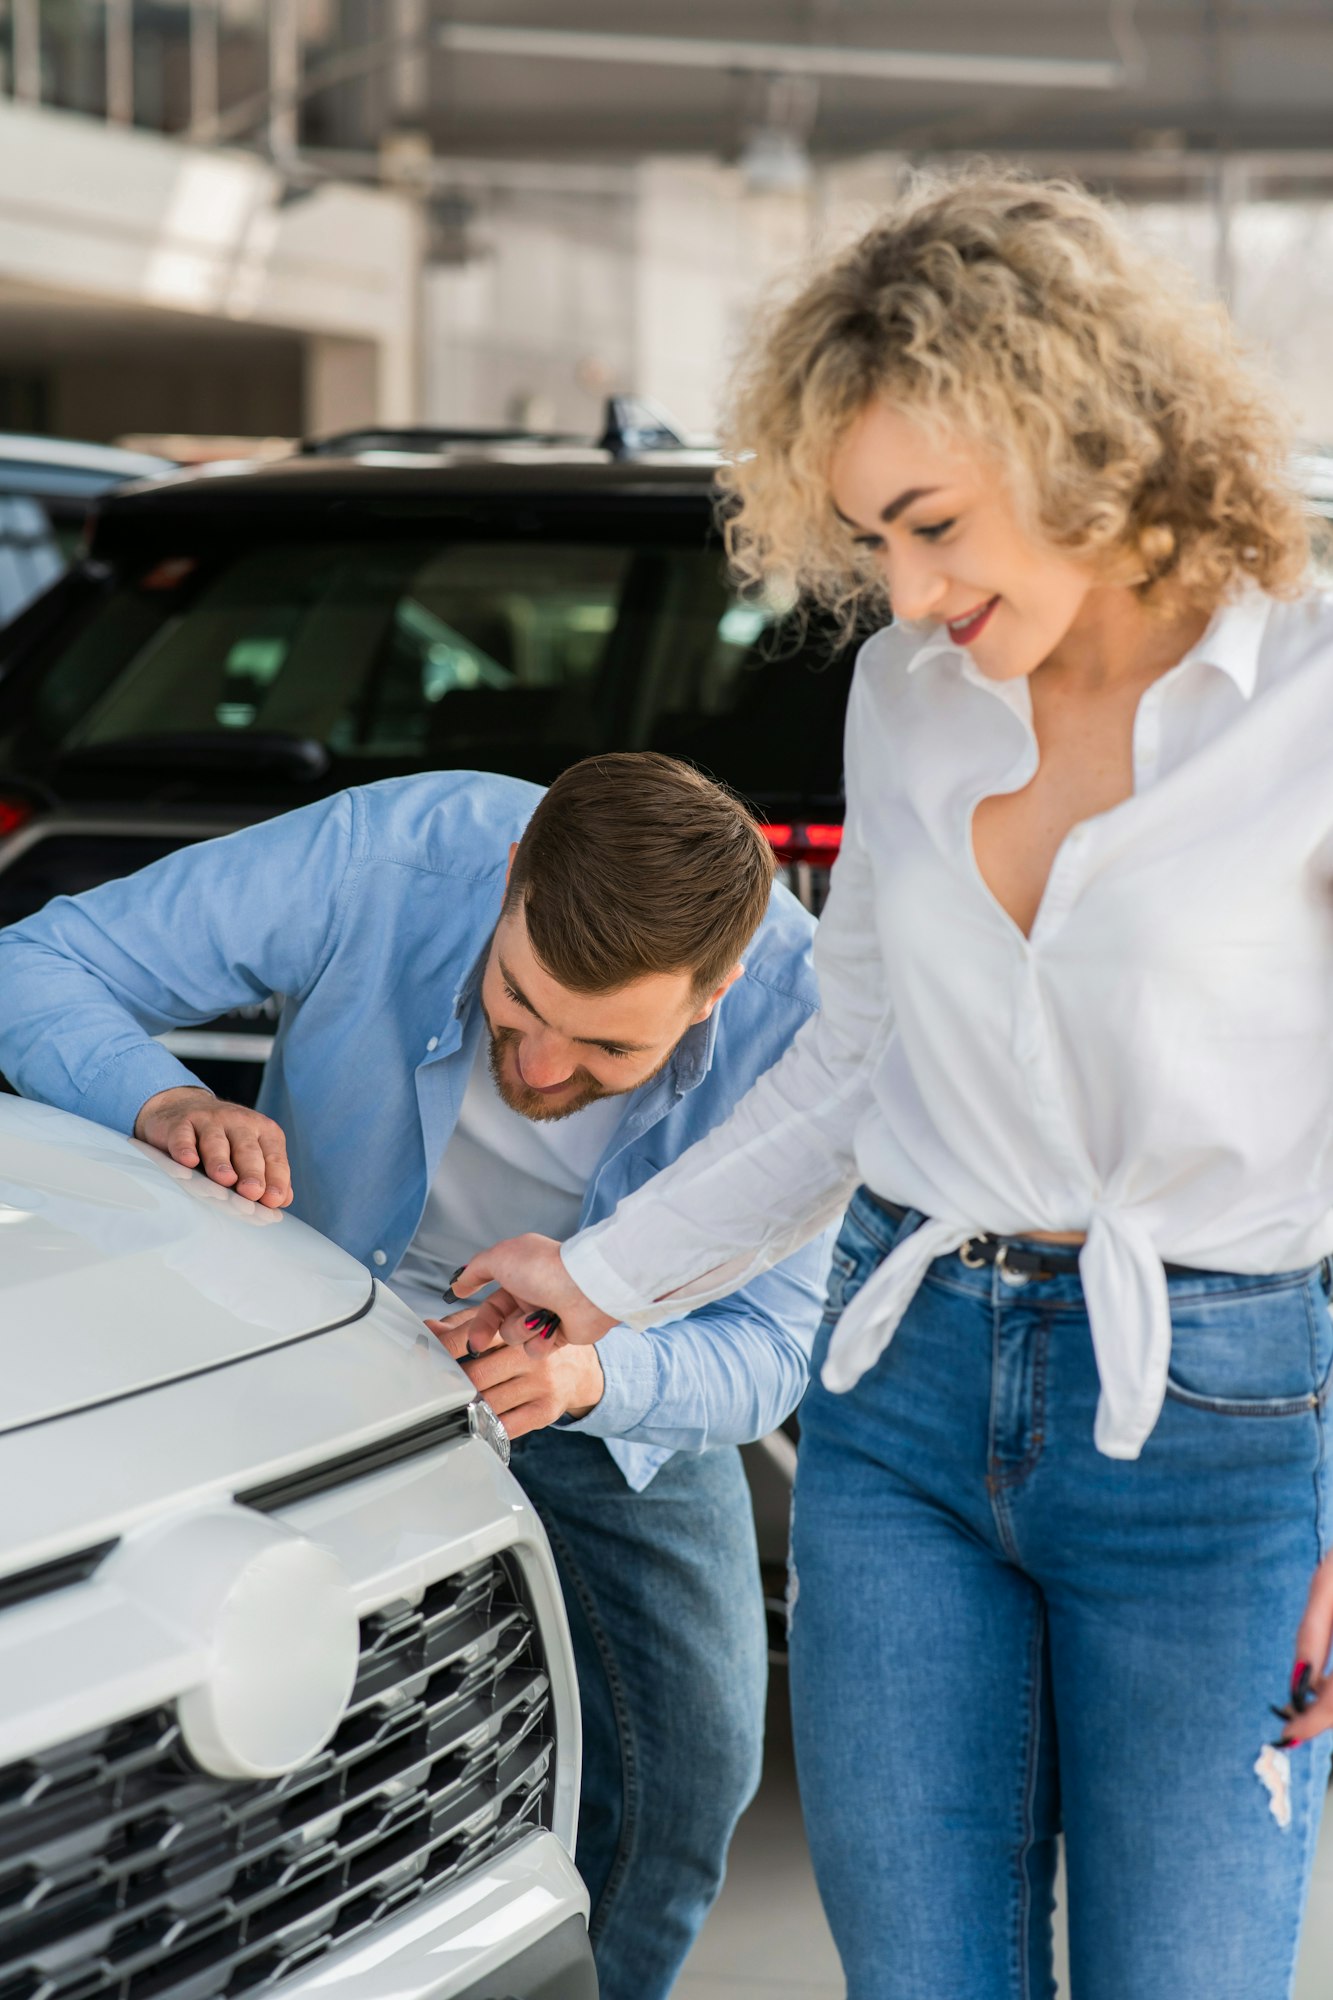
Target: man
(501,1011)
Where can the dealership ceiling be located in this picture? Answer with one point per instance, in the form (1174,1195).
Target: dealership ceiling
(836,77)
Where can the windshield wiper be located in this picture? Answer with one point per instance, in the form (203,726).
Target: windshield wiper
(205,750)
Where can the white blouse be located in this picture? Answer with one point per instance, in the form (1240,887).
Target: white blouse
(1154,1066)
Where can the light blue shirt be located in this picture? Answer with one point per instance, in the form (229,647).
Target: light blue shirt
(370,914)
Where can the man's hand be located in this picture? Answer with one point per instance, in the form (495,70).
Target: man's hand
(531,1275)
(529,1391)
(237,1148)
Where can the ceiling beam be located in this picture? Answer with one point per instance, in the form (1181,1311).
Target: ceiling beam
(783,58)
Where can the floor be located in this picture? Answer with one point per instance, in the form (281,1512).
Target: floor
(767,1939)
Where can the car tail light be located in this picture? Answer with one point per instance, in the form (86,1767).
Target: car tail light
(816,844)
(14,813)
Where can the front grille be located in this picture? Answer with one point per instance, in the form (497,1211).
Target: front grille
(126,1873)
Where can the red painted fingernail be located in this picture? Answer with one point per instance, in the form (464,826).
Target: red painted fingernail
(1301,1671)
(549,1333)
(534,1319)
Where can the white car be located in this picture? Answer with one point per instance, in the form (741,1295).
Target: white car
(287,1701)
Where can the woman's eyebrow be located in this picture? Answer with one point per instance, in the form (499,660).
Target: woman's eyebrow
(890,512)
(895,507)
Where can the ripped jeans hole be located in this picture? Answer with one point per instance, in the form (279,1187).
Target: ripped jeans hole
(1272,1767)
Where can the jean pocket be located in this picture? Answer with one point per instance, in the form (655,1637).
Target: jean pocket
(1252,1352)
(855,1256)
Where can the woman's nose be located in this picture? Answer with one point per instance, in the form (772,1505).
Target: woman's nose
(916,588)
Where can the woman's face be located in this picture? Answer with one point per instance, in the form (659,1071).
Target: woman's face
(940,523)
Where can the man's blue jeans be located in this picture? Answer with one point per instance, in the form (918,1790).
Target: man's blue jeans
(997,1632)
(663,1593)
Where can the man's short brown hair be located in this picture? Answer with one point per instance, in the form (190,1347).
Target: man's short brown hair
(633,864)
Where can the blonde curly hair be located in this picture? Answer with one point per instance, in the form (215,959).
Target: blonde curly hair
(1019,315)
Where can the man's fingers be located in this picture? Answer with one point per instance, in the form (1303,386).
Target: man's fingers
(234,1146)
(215,1154)
(498,1366)
(453,1341)
(181,1145)
(247,1158)
(526,1417)
(277,1173)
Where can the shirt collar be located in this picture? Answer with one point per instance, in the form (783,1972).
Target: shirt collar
(1233,638)
(694,1053)
(467,991)
(1231,642)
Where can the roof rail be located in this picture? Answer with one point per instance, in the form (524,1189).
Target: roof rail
(424,437)
(630,424)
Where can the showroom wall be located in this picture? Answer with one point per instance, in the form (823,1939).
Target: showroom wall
(649,282)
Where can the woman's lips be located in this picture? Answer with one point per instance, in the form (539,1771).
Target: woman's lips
(964,630)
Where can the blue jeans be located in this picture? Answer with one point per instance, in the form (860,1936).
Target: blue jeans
(664,1599)
(998,1633)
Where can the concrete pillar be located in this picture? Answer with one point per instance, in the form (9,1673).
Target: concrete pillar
(342,385)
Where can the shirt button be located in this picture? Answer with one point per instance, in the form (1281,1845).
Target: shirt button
(433,1043)
(378,1257)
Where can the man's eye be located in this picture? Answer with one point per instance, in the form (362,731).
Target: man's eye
(934,530)
(622,1054)
(511,995)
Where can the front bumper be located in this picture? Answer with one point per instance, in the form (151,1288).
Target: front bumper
(516,1930)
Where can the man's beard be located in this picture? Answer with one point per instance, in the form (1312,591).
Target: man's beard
(535,1104)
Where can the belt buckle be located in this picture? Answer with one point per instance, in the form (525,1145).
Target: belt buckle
(974,1263)
(1014,1277)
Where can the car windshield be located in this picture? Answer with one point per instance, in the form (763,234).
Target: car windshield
(519,655)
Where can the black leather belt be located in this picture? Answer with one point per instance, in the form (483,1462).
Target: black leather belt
(1018,1256)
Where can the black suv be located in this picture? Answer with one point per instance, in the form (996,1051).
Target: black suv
(240,641)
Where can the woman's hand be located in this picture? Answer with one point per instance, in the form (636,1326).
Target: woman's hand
(532,1278)
(1314,1641)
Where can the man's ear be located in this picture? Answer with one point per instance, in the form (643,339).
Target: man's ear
(713,998)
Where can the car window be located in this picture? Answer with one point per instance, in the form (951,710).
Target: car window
(518,656)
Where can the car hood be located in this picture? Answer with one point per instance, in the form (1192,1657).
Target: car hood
(121,1271)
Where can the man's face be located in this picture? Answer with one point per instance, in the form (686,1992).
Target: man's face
(554,1050)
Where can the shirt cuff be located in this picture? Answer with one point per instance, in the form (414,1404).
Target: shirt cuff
(630,1388)
(597,1280)
(121,1088)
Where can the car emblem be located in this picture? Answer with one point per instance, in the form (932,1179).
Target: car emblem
(484,1424)
(271,1629)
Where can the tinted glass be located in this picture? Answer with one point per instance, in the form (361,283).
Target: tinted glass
(516,656)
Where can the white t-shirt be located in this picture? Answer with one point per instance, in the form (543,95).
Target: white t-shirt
(501,1174)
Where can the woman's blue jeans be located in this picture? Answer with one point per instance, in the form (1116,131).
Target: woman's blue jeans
(997,1633)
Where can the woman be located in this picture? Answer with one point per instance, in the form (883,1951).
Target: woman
(1063,1476)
